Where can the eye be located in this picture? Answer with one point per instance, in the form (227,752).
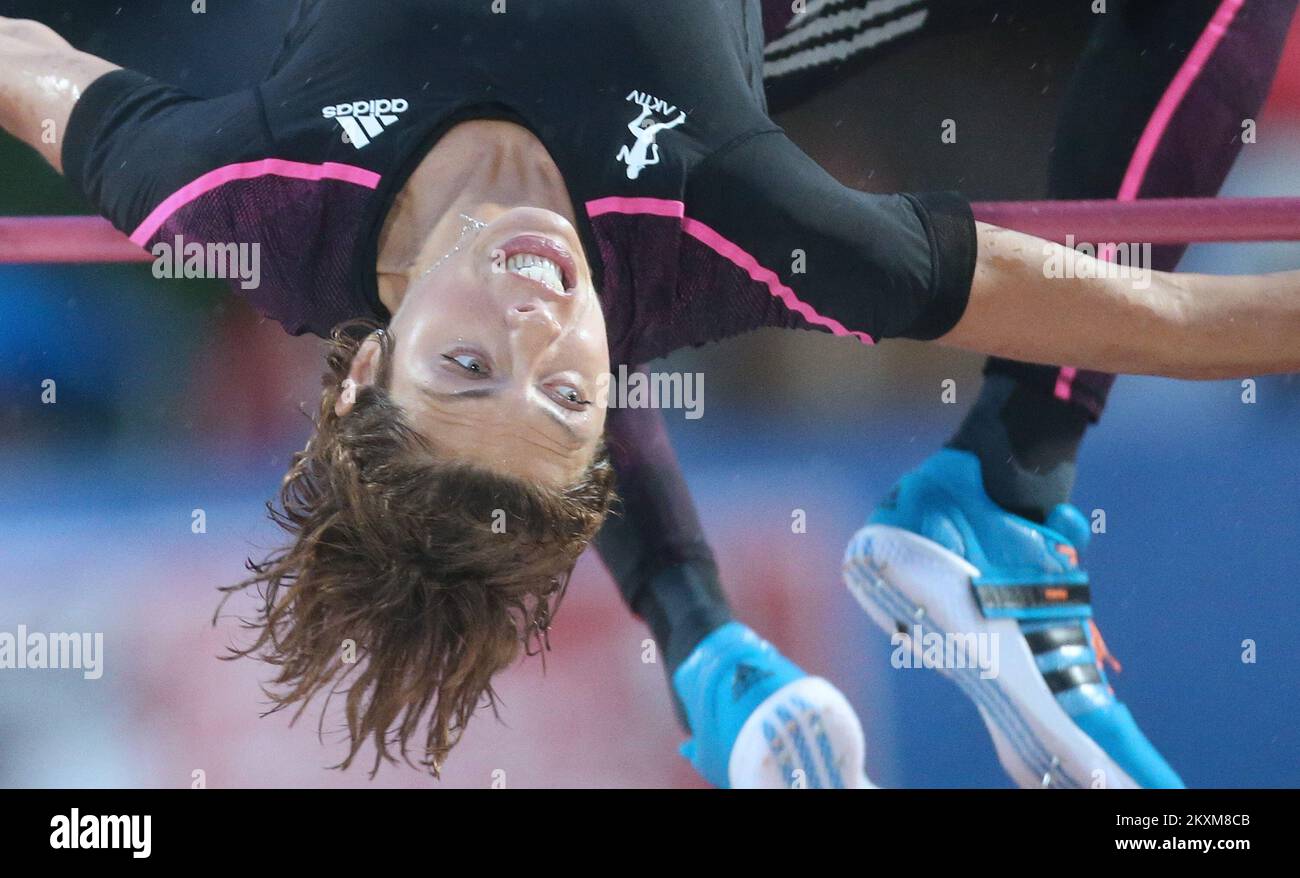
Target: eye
(569,397)
(471,363)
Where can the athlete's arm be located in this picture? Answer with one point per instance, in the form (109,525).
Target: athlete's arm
(125,141)
(920,266)
(41,79)
(1181,325)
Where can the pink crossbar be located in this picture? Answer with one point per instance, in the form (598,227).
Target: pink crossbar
(70,239)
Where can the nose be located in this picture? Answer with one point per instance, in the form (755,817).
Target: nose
(536,320)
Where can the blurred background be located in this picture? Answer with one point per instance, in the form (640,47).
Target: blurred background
(174,396)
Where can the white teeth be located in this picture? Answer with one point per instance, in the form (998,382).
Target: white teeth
(537,268)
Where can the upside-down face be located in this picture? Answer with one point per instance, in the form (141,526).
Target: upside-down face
(502,351)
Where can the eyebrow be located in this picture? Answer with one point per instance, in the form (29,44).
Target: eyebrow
(484,392)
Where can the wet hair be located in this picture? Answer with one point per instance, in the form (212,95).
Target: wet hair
(437,572)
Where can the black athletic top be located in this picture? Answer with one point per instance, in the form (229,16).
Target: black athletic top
(701,219)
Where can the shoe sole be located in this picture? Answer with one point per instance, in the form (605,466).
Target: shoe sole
(804,735)
(906,582)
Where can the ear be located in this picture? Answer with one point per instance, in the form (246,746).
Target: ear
(364,369)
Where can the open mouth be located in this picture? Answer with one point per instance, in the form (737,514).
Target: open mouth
(543,261)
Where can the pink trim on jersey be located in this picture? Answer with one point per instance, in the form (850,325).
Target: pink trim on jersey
(1158,125)
(248,171)
(731,251)
(728,250)
(651,206)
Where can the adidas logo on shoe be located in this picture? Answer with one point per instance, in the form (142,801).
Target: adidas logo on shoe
(746,676)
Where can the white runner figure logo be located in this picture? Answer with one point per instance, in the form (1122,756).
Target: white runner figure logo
(645,152)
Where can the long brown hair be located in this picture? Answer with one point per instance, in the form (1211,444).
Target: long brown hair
(436,571)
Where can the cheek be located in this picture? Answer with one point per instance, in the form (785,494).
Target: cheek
(434,321)
(593,343)
(598,421)
(453,294)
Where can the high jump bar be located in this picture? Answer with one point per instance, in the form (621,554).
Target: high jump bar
(76,239)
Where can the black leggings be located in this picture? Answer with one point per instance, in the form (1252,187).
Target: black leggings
(1155,107)
(1189,73)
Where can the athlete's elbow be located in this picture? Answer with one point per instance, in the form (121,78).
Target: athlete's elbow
(22,37)
(30,33)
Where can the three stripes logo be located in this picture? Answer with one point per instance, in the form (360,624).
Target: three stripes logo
(828,32)
(363,121)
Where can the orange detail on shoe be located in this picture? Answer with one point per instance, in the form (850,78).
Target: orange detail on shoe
(1069,552)
(1104,657)
(1056,594)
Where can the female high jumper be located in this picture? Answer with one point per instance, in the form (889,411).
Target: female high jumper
(467,183)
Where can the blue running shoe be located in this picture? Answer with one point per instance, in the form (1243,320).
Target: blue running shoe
(758,721)
(999,604)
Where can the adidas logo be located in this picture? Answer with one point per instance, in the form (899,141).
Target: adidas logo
(745,678)
(363,121)
(891,499)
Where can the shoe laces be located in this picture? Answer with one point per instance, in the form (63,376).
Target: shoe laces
(1105,658)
